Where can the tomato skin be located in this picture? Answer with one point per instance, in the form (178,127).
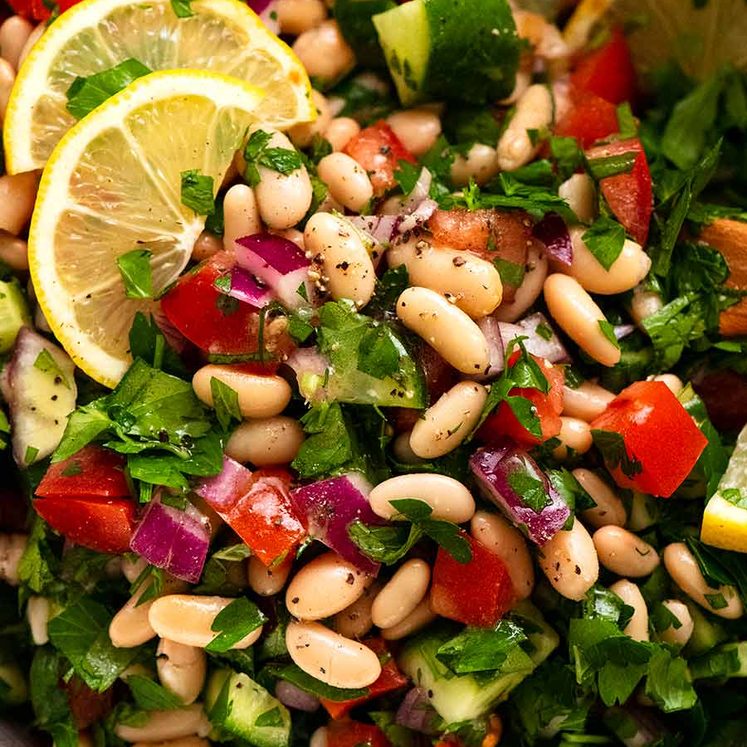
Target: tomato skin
(355,734)
(630,196)
(389,679)
(608,72)
(589,118)
(658,432)
(476,593)
(93,472)
(378,150)
(36,10)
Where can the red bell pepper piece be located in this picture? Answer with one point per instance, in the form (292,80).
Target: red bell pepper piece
(94,472)
(589,118)
(102,524)
(378,150)
(355,734)
(608,71)
(630,196)
(477,593)
(503,424)
(661,441)
(389,679)
(37,10)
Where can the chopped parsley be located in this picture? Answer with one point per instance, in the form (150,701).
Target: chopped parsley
(605,239)
(257,152)
(137,274)
(197,192)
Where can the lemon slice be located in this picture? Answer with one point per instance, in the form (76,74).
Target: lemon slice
(223,35)
(113,184)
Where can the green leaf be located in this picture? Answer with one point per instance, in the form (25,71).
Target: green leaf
(49,700)
(296,676)
(384,544)
(601,603)
(85,94)
(225,403)
(257,152)
(388,289)
(622,163)
(612,446)
(148,342)
(512,273)
(137,275)
(568,156)
(407,175)
(378,356)
(46,363)
(197,192)
(150,696)
(182,8)
(668,682)
(233,623)
(531,490)
(609,332)
(330,445)
(627,125)
(605,239)
(570,490)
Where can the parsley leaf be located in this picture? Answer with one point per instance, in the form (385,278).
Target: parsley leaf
(150,696)
(85,94)
(49,699)
(295,675)
(407,175)
(388,289)
(257,152)
(384,544)
(46,363)
(531,490)
(136,272)
(609,332)
(233,623)
(512,273)
(197,192)
(622,163)
(225,403)
(612,446)
(378,356)
(182,8)
(668,682)
(330,444)
(605,239)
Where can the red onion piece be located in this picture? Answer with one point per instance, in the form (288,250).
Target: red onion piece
(294,697)
(381,228)
(493,468)
(172,539)
(623,330)
(330,507)
(246,288)
(415,712)
(553,233)
(538,344)
(418,217)
(419,192)
(490,327)
(258,6)
(220,491)
(310,366)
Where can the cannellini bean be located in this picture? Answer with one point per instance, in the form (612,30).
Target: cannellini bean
(268,581)
(580,194)
(164,725)
(421,616)
(644,512)
(355,621)
(531,286)
(401,594)
(188,619)
(14,252)
(610,510)
(324,52)
(37,614)
(303,133)
(292,234)
(347,181)
(449,499)
(324,587)
(266,441)
(673,382)
(181,669)
(240,215)
(534,111)
(586,401)
(480,164)
(575,311)
(684,570)
(470,282)
(12,547)
(637,627)
(630,267)
(180,742)
(508,543)
(17,197)
(297,16)
(340,131)
(7,78)
(445,424)
(645,303)
(133,566)
(677,636)
(14,33)
(418,129)
(206,246)
(260,396)
(282,199)
(36,34)
(446,328)
(403,451)
(574,436)
(319,737)
(624,553)
(331,658)
(569,560)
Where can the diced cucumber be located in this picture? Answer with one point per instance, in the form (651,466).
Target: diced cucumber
(728,660)
(354,19)
(14,313)
(707,633)
(239,706)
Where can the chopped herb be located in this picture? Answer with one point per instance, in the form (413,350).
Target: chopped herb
(385,544)
(233,623)
(717,601)
(512,273)
(612,446)
(734,496)
(601,168)
(257,152)
(626,122)
(150,696)
(182,8)
(197,192)
(609,332)
(605,239)
(85,94)
(225,403)
(137,275)
(31,454)
(530,489)
(407,176)
(46,363)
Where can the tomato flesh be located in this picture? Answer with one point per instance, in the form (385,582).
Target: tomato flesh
(37,10)
(589,118)
(355,734)
(608,72)
(661,440)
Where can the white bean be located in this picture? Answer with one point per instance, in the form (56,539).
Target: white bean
(508,543)
(7,78)
(401,594)
(449,499)
(630,267)
(324,52)
(303,133)
(181,669)
(637,627)
(480,164)
(677,636)
(37,614)
(164,725)
(188,619)
(240,214)
(418,129)
(470,282)
(268,581)
(445,424)
(610,510)
(266,441)
(574,436)
(324,587)
(319,737)
(674,383)
(580,194)
(206,245)
(624,553)
(260,396)
(403,451)
(575,311)
(297,16)
(645,303)
(282,199)
(337,248)
(569,560)
(331,658)
(17,197)
(340,131)
(133,566)
(355,621)
(292,234)
(446,328)
(644,512)
(421,616)
(12,547)
(531,286)
(684,570)
(586,401)
(14,33)
(534,111)
(347,181)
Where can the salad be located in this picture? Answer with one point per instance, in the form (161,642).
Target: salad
(373,373)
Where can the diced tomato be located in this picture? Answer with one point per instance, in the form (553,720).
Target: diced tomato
(503,424)
(102,524)
(355,734)
(378,150)
(389,679)
(37,9)
(476,593)
(589,118)
(94,472)
(630,196)
(662,443)
(87,706)
(608,71)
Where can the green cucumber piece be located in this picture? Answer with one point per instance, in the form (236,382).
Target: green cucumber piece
(707,633)
(354,19)
(728,660)
(14,313)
